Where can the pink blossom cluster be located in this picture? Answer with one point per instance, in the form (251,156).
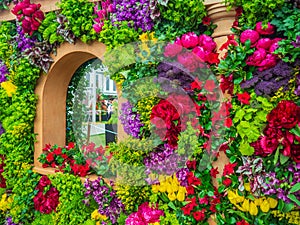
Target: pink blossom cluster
(263,57)
(202,50)
(144,215)
(102,14)
(29,15)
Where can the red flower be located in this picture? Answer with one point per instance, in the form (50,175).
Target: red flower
(229,169)
(50,157)
(230,41)
(189,40)
(295,153)
(192,180)
(214,172)
(285,115)
(196,84)
(190,190)
(206,20)
(203,200)
(257,57)
(244,98)
(226,84)
(191,164)
(210,85)
(242,222)
(213,58)
(265,145)
(213,208)
(251,35)
(57,151)
(189,207)
(227,182)
(228,122)
(264,31)
(189,60)
(71,145)
(238,11)
(80,170)
(199,215)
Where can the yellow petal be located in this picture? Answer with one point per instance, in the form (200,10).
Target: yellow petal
(246,205)
(155,188)
(162,188)
(273,202)
(169,188)
(238,197)
(172,196)
(247,186)
(180,196)
(9,87)
(265,207)
(231,197)
(253,209)
(258,201)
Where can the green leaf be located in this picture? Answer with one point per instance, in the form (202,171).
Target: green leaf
(172,206)
(294,199)
(295,188)
(246,149)
(287,207)
(295,130)
(276,156)
(283,159)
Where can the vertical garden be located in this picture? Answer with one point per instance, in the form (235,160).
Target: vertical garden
(212,129)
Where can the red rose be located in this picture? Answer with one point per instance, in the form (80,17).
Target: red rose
(230,41)
(199,215)
(285,115)
(171,50)
(44,181)
(206,20)
(189,40)
(257,57)
(251,35)
(227,182)
(264,31)
(264,43)
(244,98)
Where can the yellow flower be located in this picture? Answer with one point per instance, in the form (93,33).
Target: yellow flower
(97,216)
(245,205)
(172,196)
(234,197)
(163,187)
(144,37)
(265,206)
(253,209)
(156,223)
(258,201)
(181,194)
(9,87)
(155,188)
(273,202)
(152,38)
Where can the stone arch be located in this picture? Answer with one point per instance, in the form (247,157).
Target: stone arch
(51,89)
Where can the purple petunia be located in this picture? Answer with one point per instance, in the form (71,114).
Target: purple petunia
(9,221)
(1,129)
(23,41)
(296,43)
(3,71)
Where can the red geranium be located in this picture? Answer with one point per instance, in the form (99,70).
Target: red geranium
(199,215)
(244,98)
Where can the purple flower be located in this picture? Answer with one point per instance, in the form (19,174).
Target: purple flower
(9,221)
(1,129)
(130,120)
(296,43)
(23,41)
(3,71)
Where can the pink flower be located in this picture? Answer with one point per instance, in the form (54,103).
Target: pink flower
(251,35)
(274,44)
(98,27)
(20,6)
(189,40)
(207,43)
(171,50)
(264,31)
(257,57)
(265,145)
(188,60)
(178,41)
(201,53)
(135,219)
(264,43)
(269,62)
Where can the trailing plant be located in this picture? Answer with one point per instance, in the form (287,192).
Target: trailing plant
(80,16)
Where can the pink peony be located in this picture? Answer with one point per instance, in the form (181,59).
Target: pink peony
(98,27)
(265,146)
(264,43)
(269,62)
(178,41)
(189,60)
(257,57)
(171,50)
(189,40)
(251,35)
(150,214)
(274,44)
(135,219)
(264,31)
(20,6)
(200,52)
(207,43)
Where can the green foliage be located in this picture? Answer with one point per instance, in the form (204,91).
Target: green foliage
(249,121)
(49,27)
(114,36)
(256,10)
(188,142)
(22,208)
(287,22)
(184,13)
(80,16)
(70,210)
(40,218)
(130,198)
(7,30)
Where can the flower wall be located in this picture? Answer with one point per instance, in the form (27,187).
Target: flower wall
(244,104)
